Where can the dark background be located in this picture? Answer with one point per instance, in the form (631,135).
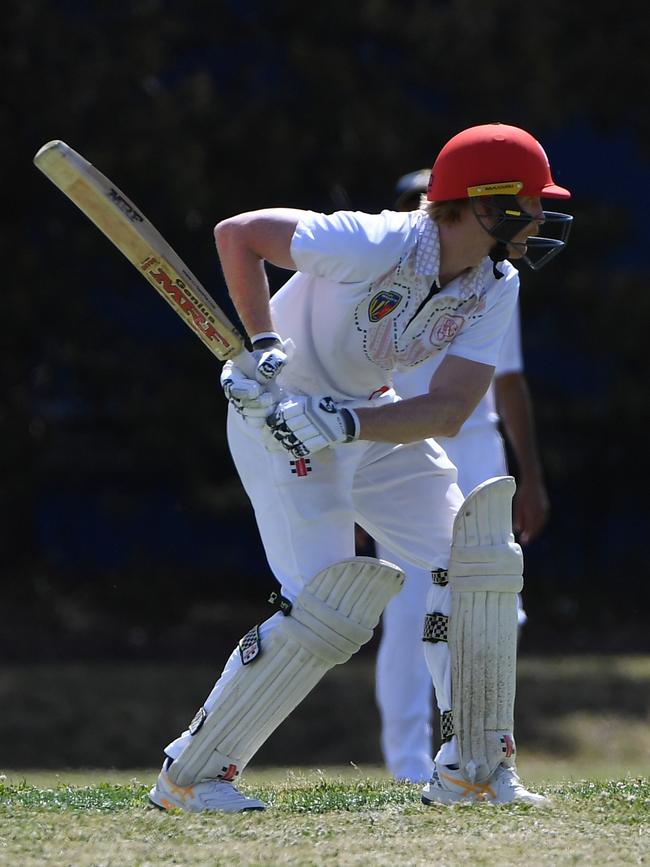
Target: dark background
(124,532)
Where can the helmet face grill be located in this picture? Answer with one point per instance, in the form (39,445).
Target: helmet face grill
(504,218)
(542,249)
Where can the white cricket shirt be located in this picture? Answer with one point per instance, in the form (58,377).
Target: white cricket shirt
(361,307)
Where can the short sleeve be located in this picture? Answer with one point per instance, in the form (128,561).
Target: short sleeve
(350,246)
(481,340)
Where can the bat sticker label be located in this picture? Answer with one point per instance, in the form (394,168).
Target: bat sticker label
(187,305)
(125,206)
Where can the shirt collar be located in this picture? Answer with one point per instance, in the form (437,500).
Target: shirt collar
(427,260)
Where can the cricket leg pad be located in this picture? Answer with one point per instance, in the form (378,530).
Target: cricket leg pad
(485,576)
(332,617)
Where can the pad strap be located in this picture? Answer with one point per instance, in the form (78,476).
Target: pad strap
(435,627)
(446,725)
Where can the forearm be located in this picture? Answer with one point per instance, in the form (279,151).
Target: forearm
(244,244)
(410,420)
(515,409)
(454,391)
(304,424)
(248,287)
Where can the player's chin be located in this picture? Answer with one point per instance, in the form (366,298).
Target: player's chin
(517,252)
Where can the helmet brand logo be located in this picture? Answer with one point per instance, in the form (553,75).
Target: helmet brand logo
(506,188)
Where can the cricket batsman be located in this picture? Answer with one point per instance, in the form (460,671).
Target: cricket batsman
(321,441)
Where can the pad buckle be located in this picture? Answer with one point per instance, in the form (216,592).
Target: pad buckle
(277,600)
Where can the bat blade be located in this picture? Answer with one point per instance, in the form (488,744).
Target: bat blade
(136,237)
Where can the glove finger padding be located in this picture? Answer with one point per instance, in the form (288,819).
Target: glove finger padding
(304,425)
(270,364)
(248,397)
(236,385)
(272,354)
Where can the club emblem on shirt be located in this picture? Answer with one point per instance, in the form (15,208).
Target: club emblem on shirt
(382,304)
(446,328)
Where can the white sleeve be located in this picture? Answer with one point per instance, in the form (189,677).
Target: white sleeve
(349,246)
(481,340)
(510,357)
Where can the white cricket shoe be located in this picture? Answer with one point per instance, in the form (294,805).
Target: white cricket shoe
(449,786)
(218,796)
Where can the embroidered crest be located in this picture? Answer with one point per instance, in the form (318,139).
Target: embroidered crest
(382,304)
(250,646)
(446,328)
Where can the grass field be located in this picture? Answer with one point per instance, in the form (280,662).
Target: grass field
(352,816)
(585,741)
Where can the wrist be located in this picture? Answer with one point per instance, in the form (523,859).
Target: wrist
(266,340)
(351,424)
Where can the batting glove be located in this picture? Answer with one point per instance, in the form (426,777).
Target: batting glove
(304,425)
(254,399)
(271,354)
(250,399)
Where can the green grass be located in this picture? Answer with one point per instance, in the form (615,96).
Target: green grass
(583,734)
(336,817)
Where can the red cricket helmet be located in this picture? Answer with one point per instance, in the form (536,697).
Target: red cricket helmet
(492,159)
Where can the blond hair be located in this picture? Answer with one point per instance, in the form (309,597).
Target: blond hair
(444,212)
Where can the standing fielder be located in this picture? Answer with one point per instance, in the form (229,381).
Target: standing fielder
(321,441)
(403,684)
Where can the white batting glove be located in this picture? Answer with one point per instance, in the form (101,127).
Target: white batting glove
(304,425)
(254,399)
(247,396)
(271,354)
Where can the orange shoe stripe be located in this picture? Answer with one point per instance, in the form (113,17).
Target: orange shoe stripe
(480,791)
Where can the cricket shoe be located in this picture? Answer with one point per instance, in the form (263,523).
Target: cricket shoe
(448,786)
(218,796)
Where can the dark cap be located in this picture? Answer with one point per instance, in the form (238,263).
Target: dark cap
(411,186)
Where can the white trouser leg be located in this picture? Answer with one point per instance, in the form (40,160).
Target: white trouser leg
(439,665)
(403,684)
(419,483)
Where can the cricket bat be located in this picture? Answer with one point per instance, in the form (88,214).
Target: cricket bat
(136,237)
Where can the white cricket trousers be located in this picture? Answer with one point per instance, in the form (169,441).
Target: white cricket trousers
(405,496)
(403,680)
